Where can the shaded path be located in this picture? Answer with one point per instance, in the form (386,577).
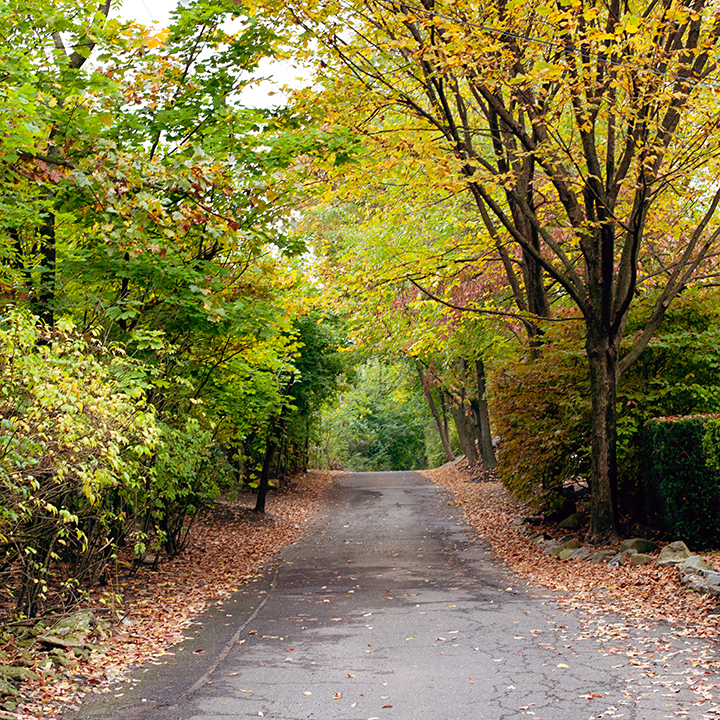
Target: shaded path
(388,609)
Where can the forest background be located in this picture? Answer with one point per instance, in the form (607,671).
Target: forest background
(469,223)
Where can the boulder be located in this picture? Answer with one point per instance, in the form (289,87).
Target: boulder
(540,538)
(581,553)
(695,565)
(600,556)
(567,508)
(573,522)
(641,559)
(557,548)
(17,674)
(7,689)
(618,560)
(639,544)
(673,554)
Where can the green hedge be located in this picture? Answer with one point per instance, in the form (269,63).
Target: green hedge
(682,487)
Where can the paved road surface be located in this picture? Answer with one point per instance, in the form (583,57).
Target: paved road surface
(389,609)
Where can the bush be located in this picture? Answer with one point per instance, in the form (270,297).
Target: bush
(72,430)
(541,411)
(541,407)
(683,494)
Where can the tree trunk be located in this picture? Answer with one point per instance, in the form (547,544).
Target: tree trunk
(265,473)
(443,407)
(306,449)
(45,297)
(486,447)
(602,355)
(465,434)
(442,427)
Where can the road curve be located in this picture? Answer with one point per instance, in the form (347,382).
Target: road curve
(388,609)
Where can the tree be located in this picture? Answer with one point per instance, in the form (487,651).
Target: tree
(585,134)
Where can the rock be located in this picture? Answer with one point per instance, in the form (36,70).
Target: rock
(24,658)
(82,621)
(566,553)
(557,548)
(567,508)
(712,577)
(66,641)
(17,674)
(581,553)
(539,537)
(7,689)
(60,659)
(618,560)
(638,544)
(600,556)
(673,554)
(641,559)
(573,522)
(695,565)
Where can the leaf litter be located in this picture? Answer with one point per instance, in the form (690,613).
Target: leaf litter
(155,608)
(644,615)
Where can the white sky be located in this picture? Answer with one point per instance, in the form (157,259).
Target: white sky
(263,95)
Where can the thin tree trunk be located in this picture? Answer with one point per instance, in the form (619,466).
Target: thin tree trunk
(45,299)
(602,357)
(442,427)
(443,407)
(265,473)
(465,435)
(486,447)
(306,449)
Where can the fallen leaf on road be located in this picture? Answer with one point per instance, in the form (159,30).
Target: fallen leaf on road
(337,696)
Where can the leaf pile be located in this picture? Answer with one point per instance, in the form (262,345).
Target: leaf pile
(153,607)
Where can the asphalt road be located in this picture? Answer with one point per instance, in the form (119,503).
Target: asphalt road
(389,608)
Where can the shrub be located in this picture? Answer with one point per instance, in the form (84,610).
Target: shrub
(541,406)
(72,430)
(540,410)
(683,492)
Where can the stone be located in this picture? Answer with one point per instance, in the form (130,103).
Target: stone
(7,689)
(712,577)
(641,559)
(673,554)
(573,522)
(539,537)
(571,544)
(618,560)
(600,556)
(17,674)
(581,553)
(566,553)
(82,621)
(695,565)
(639,544)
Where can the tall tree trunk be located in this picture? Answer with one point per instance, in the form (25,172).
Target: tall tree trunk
(45,297)
(465,434)
(486,447)
(306,449)
(602,355)
(265,473)
(443,407)
(441,426)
